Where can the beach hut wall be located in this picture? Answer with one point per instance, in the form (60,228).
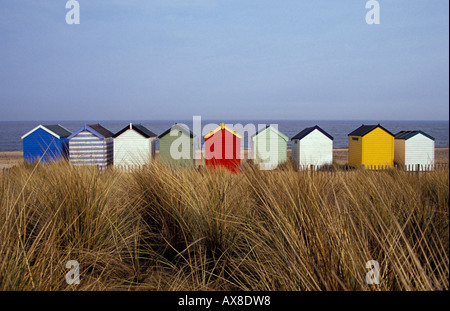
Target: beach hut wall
(269,147)
(176,146)
(414,149)
(223,148)
(45,143)
(134,145)
(370,146)
(91,145)
(312,147)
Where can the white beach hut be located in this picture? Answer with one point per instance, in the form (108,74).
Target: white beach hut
(134,145)
(312,147)
(414,150)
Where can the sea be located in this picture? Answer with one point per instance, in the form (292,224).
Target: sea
(12,131)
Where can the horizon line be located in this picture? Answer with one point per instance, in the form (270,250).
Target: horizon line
(226,119)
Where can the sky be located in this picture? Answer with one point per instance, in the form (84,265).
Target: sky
(224,59)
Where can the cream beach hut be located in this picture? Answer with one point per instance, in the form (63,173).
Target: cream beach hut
(414,150)
(134,145)
(312,147)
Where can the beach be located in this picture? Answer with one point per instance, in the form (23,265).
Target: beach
(9,159)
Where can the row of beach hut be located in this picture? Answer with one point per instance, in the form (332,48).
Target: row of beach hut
(369,146)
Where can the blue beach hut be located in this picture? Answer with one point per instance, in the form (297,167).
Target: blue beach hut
(45,143)
(91,145)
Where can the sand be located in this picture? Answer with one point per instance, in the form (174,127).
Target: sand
(9,159)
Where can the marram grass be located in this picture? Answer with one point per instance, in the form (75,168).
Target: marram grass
(159,228)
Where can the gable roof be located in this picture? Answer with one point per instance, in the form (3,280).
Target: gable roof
(101,130)
(95,129)
(141,129)
(365,129)
(222,126)
(273,129)
(409,134)
(308,130)
(54,129)
(179,127)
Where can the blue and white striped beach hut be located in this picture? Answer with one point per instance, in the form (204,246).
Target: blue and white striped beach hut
(91,145)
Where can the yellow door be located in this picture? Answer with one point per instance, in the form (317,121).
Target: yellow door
(354,151)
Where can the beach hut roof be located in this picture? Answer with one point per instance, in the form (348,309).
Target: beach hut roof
(409,134)
(141,129)
(308,130)
(55,129)
(268,127)
(95,129)
(222,126)
(179,127)
(365,129)
(101,130)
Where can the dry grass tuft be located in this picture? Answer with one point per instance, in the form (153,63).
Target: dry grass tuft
(160,228)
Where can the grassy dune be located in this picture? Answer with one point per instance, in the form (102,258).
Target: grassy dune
(188,229)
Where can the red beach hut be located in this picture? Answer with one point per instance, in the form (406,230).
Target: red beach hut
(223,148)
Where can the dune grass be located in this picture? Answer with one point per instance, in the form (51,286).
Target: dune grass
(160,228)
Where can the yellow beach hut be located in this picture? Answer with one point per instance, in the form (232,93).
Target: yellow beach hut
(371,146)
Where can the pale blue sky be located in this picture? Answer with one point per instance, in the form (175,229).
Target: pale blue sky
(224,59)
